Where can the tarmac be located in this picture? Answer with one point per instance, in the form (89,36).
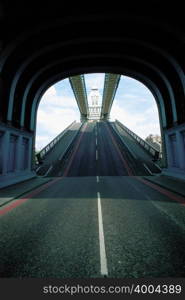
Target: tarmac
(8,194)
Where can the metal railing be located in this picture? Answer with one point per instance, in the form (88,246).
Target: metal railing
(61,159)
(71,143)
(50,146)
(154,152)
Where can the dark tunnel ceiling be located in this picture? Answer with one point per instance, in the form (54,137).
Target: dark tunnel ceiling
(82,38)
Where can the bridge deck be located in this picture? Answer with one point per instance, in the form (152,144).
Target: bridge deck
(94,220)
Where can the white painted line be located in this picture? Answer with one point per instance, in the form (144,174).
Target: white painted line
(61,156)
(38,169)
(147,169)
(50,168)
(135,187)
(96,154)
(96,142)
(157,204)
(157,166)
(133,154)
(103,258)
(97,179)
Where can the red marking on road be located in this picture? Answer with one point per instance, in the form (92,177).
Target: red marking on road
(163,191)
(35,192)
(11,206)
(74,152)
(129,171)
(30,195)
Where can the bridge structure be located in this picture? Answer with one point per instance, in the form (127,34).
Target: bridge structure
(79,90)
(148,47)
(91,157)
(95,177)
(110,87)
(94,112)
(97,204)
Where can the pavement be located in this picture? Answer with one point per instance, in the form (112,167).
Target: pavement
(170,183)
(14,191)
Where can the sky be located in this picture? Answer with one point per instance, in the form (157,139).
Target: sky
(134,106)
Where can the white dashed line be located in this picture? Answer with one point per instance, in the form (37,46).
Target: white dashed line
(50,168)
(135,187)
(103,258)
(157,166)
(96,142)
(147,169)
(97,179)
(96,154)
(38,169)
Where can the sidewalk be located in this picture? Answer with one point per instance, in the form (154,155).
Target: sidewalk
(9,193)
(172,184)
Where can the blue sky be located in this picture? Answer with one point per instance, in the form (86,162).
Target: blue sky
(134,106)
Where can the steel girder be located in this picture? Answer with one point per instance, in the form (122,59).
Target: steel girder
(110,87)
(79,90)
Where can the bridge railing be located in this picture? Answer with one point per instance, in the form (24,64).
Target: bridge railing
(154,152)
(47,167)
(40,155)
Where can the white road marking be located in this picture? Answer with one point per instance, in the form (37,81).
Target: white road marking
(103,258)
(133,154)
(97,179)
(157,166)
(96,142)
(147,169)
(96,154)
(148,197)
(38,169)
(135,187)
(50,168)
(159,206)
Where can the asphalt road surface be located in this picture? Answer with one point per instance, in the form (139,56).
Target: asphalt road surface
(83,227)
(94,220)
(97,153)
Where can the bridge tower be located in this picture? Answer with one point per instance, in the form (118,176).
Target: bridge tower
(94,109)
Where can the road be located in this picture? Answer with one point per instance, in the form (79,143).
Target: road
(99,151)
(56,233)
(97,154)
(94,221)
